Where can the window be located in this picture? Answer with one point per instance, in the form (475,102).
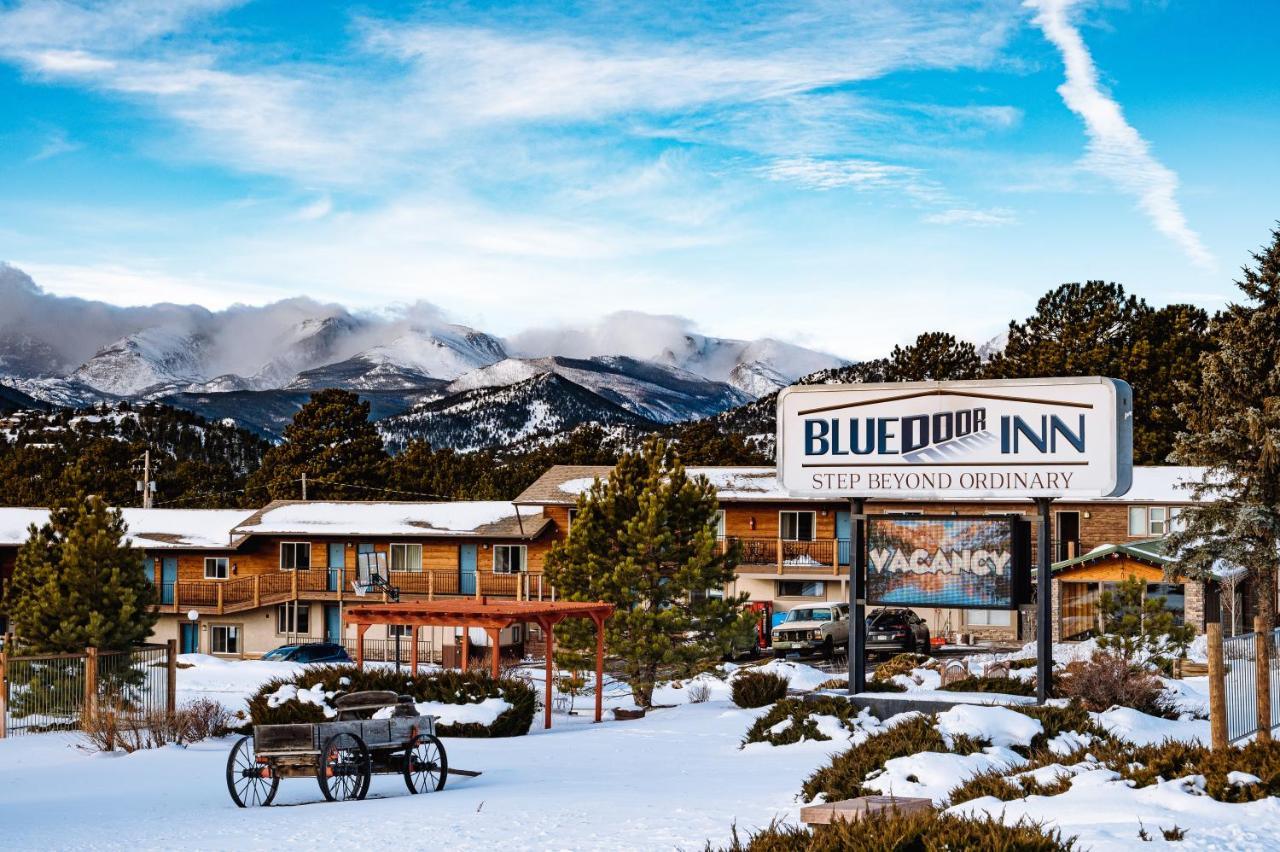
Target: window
(406,557)
(216,567)
(902,512)
(1149,520)
(295,556)
(988,617)
(394,630)
(225,638)
(797,526)
(508,558)
(802,589)
(720,523)
(293,618)
(573,516)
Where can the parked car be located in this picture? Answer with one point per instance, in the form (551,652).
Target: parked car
(810,630)
(896,631)
(310,652)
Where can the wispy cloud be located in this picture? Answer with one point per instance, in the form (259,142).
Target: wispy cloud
(967,216)
(317,209)
(55,144)
(1116,150)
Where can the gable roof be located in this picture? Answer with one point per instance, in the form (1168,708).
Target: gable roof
(1149,552)
(560,485)
(472,518)
(159,529)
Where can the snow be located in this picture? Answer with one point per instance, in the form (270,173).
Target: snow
(942,695)
(934,774)
(150,528)
(1140,729)
(999,726)
(1242,779)
(482,713)
(323,518)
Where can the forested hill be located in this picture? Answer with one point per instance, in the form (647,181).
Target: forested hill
(47,456)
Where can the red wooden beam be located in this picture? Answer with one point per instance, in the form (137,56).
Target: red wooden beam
(495,637)
(599,666)
(413,650)
(360,629)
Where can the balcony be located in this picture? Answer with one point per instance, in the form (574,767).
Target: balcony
(319,584)
(784,556)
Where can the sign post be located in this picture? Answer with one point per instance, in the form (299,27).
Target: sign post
(1039,439)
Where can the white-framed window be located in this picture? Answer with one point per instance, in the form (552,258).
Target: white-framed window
(988,617)
(802,589)
(720,523)
(224,638)
(508,558)
(406,557)
(1149,520)
(517,633)
(295,556)
(402,630)
(573,516)
(217,567)
(797,526)
(293,618)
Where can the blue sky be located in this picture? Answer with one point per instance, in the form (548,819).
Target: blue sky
(841,175)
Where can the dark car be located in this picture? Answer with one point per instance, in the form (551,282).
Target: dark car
(896,631)
(311,652)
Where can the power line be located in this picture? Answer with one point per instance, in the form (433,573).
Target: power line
(335,482)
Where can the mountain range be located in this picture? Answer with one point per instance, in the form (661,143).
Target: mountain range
(424,377)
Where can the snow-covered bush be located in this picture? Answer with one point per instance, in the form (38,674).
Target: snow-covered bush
(792,720)
(699,692)
(1002,685)
(756,689)
(270,706)
(901,664)
(1107,679)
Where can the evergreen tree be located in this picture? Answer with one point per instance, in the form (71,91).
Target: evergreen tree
(78,584)
(330,440)
(645,541)
(936,356)
(1233,430)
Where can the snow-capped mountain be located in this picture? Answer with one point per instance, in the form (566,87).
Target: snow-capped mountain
(135,364)
(409,361)
(756,367)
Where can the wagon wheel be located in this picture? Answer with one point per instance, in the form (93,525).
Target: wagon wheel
(248,781)
(425,764)
(343,769)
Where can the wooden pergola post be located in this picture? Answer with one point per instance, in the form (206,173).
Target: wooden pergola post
(599,622)
(550,630)
(413,650)
(361,627)
(495,636)
(466,647)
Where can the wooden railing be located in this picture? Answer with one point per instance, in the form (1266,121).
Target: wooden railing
(785,556)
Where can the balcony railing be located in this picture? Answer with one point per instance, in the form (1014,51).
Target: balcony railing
(785,556)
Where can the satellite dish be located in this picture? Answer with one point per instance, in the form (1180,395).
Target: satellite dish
(192,615)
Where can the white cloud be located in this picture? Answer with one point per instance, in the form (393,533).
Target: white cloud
(966,216)
(1116,150)
(317,209)
(55,144)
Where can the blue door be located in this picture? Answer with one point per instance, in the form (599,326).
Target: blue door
(467,569)
(188,638)
(844,532)
(337,561)
(168,578)
(332,623)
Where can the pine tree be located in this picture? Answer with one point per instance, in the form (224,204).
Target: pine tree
(1233,430)
(330,440)
(935,356)
(645,541)
(78,584)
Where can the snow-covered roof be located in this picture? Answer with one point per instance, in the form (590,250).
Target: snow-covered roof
(563,483)
(461,518)
(149,528)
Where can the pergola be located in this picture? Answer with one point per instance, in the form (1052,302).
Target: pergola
(492,617)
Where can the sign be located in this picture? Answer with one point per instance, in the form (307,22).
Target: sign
(962,562)
(1015,438)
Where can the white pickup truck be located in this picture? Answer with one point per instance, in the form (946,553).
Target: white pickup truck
(809,630)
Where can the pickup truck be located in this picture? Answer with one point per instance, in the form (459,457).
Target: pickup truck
(809,630)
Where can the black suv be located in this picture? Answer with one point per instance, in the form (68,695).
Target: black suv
(311,652)
(896,631)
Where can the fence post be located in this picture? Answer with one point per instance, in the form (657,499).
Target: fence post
(219,588)
(431,586)
(1262,678)
(1217,687)
(257,590)
(90,683)
(4,684)
(171,682)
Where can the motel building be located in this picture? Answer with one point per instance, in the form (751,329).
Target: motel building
(237,583)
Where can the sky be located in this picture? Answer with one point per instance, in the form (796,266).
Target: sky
(842,175)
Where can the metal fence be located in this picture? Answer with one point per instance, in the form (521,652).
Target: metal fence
(1240,682)
(384,650)
(55,692)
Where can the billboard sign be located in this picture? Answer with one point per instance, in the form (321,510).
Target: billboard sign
(948,561)
(1061,437)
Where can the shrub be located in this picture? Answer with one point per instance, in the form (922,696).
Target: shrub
(1056,720)
(1003,685)
(883,686)
(756,689)
(833,683)
(1107,679)
(801,713)
(995,783)
(699,693)
(901,664)
(449,687)
(919,831)
(843,777)
(1029,663)
(124,728)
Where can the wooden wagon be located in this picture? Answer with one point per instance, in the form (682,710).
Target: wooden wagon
(344,754)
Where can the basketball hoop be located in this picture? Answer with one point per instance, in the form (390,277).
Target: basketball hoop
(360,589)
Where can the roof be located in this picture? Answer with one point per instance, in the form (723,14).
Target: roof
(474,612)
(1150,552)
(478,518)
(149,528)
(562,484)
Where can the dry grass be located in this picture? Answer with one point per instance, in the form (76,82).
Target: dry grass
(129,730)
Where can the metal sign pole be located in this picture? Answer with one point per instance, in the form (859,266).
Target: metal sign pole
(1044,605)
(857,658)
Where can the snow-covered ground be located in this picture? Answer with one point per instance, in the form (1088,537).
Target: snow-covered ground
(673,780)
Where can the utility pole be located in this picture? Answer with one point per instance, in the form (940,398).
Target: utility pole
(304,488)
(146,486)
